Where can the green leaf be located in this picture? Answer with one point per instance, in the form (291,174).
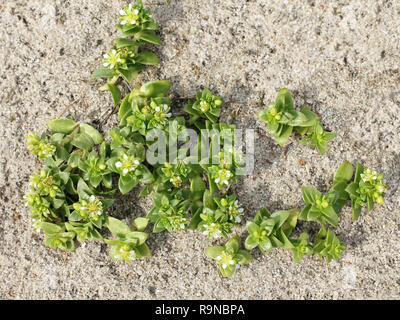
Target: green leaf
(147,58)
(233,244)
(140,223)
(144,250)
(107,181)
(83,189)
(352,189)
(50,228)
(244,257)
(125,107)
(214,252)
(140,236)
(359,170)
(117,227)
(343,173)
(304,213)
(83,141)
(91,132)
(197,187)
(125,42)
(356,211)
(252,227)
(115,92)
(330,215)
(284,135)
(284,99)
(126,184)
(155,89)
(103,73)
(148,36)
(251,242)
(265,245)
(62,125)
(132,72)
(310,195)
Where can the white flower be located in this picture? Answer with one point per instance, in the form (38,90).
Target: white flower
(216,180)
(122,12)
(125,171)
(226,182)
(218,258)
(136,11)
(231,262)
(237,219)
(118,164)
(165,107)
(92,198)
(136,162)
(106,64)
(133,21)
(123,22)
(224,266)
(158,109)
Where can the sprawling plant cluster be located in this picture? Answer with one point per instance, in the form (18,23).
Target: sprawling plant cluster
(126,59)
(281,118)
(269,231)
(188,181)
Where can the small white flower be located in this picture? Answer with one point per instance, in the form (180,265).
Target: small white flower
(106,64)
(130,6)
(111,66)
(114,51)
(182,226)
(216,180)
(237,219)
(125,171)
(240,210)
(136,11)
(165,107)
(226,182)
(218,258)
(224,266)
(123,22)
(119,60)
(118,164)
(133,22)
(206,232)
(125,156)
(212,224)
(158,109)
(92,198)
(122,12)
(136,162)
(231,262)
(99,213)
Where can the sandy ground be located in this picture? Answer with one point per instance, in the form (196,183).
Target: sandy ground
(341,58)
